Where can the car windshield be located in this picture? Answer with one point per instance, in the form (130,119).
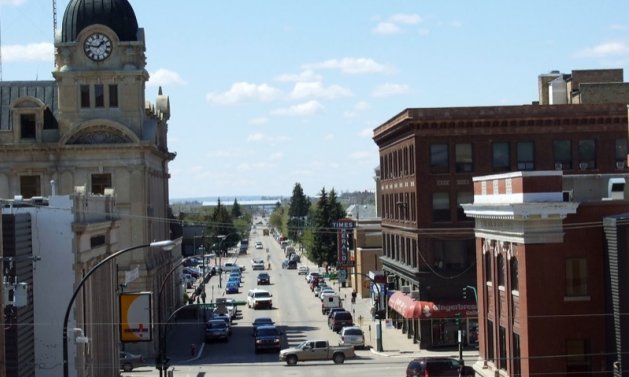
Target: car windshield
(217,324)
(262,294)
(271,331)
(353,332)
(261,321)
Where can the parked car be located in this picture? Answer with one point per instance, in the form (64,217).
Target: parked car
(267,337)
(327,291)
(311,275)
(261,321)
(225,318)
(334,310)
(129,361)
(302,270)
(339,320)
(188,280)
(264,278)
(330,302)
(352,336)
(216,329)
(433,366)
(232,287)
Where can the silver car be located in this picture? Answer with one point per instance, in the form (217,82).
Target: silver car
(352,336)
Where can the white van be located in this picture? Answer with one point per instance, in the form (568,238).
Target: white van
(329,302)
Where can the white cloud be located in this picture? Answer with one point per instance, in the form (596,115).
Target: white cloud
(165,77)
(259,137)
(317,90)
(361,155)
(353,66)
(305,75)
(409,19)
(361,106)
(386,28)
(301,173)
(618,27)
(386,90)
(604,50)
(392,24)
(12,2)
(329,136)
(276,156)
(244,92)
(455,24)
(27,53)
(302,109)
(366,132)
(259,120)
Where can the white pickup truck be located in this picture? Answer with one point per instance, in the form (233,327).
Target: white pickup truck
(312,350)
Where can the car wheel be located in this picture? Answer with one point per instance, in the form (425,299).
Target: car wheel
(127,367)
(291,360)
(339,358)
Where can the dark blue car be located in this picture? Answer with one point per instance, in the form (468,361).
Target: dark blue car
(232,287)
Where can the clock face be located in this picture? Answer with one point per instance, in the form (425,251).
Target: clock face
(97,47)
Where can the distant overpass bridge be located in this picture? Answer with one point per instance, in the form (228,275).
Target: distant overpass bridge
(263,203)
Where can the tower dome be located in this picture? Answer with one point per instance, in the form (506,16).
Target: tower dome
(118,15)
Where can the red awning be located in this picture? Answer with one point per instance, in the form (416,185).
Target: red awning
(408,307)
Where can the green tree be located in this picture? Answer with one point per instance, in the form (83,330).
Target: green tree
(220,224)
(297,213)
(236,212)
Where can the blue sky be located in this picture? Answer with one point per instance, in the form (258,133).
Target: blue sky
(265,94)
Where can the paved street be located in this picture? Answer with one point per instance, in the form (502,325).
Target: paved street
(298,314)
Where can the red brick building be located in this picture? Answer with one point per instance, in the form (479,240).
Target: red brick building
(428,158)
(542,272)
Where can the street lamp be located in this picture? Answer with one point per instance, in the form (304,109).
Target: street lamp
(164,245)
(221,237)
(378,316)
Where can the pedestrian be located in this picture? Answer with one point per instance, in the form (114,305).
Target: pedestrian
(193,349)
(353,296)
(203,296)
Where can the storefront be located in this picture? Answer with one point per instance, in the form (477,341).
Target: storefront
(434,324)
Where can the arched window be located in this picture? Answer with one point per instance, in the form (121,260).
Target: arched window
(501,270)
(514,274)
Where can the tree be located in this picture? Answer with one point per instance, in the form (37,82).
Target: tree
(236,212)
(221,224)
(297,212)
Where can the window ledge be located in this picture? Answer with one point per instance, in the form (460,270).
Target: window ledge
(576,298)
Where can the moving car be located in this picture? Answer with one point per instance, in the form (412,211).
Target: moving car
(434,366)
(261,321)
(316,350)
(267,337)
(264,278)
(225,318)
(216,329)
(259,298)
(129,361)
(259,245)
(257,264)
(352,336)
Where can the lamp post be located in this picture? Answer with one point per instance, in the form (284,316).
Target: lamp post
(221,237)
(164,245)
(378,317)
(162,361)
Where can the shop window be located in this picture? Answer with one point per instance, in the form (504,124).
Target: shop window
(464,161)
(99,95)
(562,154)
(85,96)
(587,154)
(439,158)
(500,157)
(621,153)
(576,277)
(30,186)
(440,206)
(526,155)
(100,182)
(27,126)
(463,197)
(113,95)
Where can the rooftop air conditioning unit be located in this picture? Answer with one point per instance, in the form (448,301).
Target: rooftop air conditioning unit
(415,295)
(616,189)
(558,166)
(620,164)
(405,289)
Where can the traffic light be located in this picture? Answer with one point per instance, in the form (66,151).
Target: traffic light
(464,293)
(457,318)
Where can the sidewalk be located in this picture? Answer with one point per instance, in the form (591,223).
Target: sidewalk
(394,342)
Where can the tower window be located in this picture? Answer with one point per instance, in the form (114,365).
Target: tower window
(113,95)
(27,126)
(85,96)
(99,95)
(100,182)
